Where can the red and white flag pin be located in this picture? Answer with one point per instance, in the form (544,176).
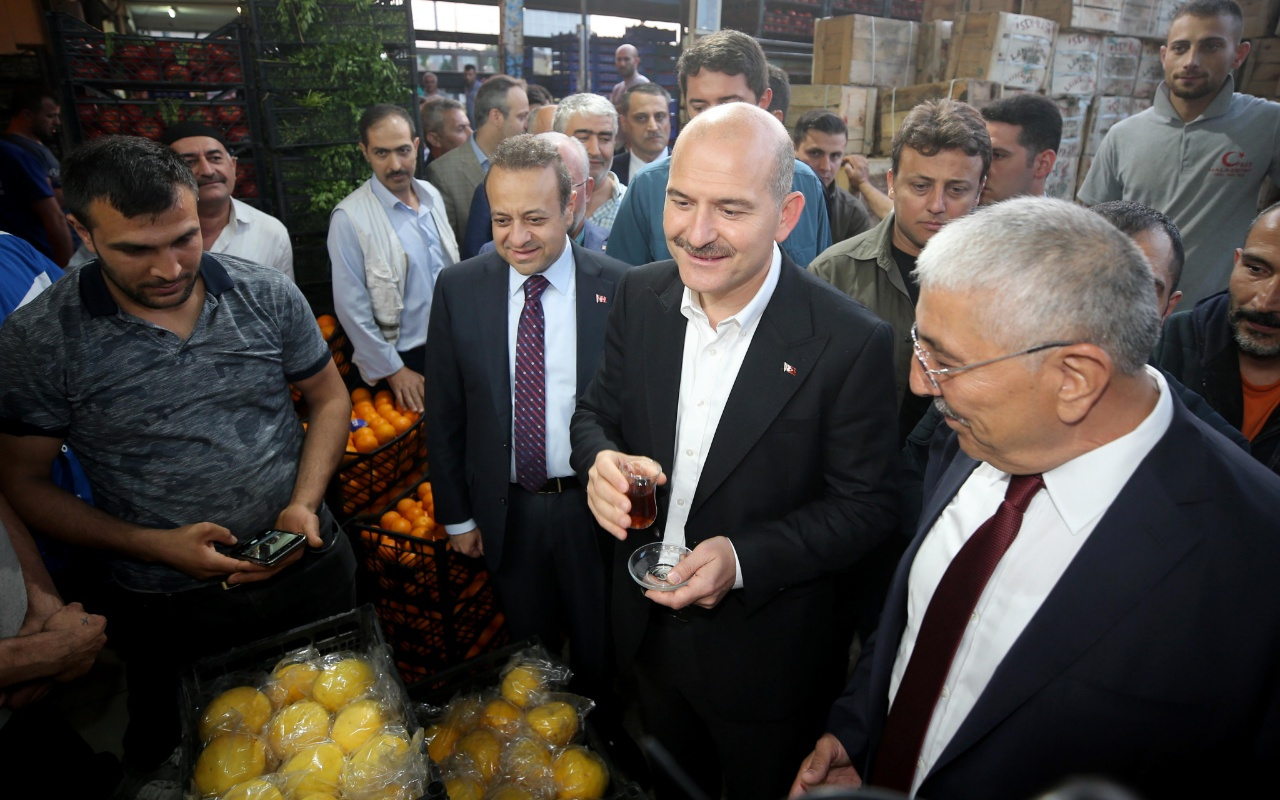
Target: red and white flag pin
(601,299)
(787,368)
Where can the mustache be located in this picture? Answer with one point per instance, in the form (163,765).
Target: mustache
(945,410)
(1270,319)
(398,173)
(210,181)
(712,250)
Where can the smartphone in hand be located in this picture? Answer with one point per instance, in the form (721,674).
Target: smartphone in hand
(269,547)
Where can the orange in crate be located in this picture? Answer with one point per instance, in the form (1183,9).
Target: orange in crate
(328,325)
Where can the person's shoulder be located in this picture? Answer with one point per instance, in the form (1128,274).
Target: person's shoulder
(804,178)
(48,311)
(609,267)
(1256,108)
(657,170)
(827,298)
(257,216)
(845,255)
(657,275)
(251,275)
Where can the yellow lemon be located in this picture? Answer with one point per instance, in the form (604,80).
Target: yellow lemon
(580,775)
(484,749)
(556,721)
(357,723)
(291,683)
(229,759)
(501,715)
(522,685)
(511,791)
(464,787)
(243,709)
(374,764)
(314,770)
(296,727)
(342,682)
(256,789)
(527,759)
(441,740)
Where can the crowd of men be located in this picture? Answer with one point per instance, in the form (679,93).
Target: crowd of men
(955,427)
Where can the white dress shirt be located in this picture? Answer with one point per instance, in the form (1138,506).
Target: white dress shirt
(560,346)
(712,358)
(635,163)
(376,357)
(256,236)
(1055,526)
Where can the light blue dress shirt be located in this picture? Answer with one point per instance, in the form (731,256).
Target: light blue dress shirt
(637,237)
(375,357)
(480,156)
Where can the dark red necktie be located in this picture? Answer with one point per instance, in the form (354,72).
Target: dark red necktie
(944,624)
(531,389)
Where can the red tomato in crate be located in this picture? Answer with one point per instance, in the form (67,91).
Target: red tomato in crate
(231,74)
(148,129)
(147,73)
(201,114)
(111,120)
(247,188)
(132,111)
(238,133)
(165,50)
(176,73)
(229,114)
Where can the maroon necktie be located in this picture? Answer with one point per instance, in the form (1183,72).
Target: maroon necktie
(531,389)
(944,624)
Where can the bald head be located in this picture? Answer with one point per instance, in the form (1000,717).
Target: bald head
(541,120)
(574,156)
(746,127)
(627,59)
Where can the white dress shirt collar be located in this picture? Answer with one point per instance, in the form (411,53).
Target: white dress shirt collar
(746,317)
(558,274)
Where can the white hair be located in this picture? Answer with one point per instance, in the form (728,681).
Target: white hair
(591,105)
(1047,271)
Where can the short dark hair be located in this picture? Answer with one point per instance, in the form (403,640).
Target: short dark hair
(466,67)
(493,94)
(1132,218)
(642,88)
(781,86)
(1037,116)
(1207,9)
(31,98)
(527,152)
(539,95)
(937,125)
(728,52)
(135,176)
(433,113)
(377,113)
(820,120)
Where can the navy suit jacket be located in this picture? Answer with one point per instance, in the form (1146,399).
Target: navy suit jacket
(1155,660)
(469,385)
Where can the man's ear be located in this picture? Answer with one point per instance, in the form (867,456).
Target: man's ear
(83,233)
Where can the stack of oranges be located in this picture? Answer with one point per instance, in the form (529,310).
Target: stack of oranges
(382,421)
(414,516)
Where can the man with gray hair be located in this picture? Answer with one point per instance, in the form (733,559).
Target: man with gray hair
(523,325)
(444,125)
(761,392)
(1090,587)
(592,120)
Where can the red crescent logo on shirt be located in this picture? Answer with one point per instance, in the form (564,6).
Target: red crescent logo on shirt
(1228,161)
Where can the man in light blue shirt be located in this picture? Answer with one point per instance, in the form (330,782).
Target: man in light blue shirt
(725,67)
(388,241)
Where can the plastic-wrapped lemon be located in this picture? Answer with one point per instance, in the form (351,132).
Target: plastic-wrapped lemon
(374,764)
(511,791)
(291,683)
(522,685)
(464,787)
(296,727)
(484,750)
(580,775)
(342,682)
(357,723)
(556,721)
(243,709)
(319,796)
(314,770)
(441,739)
(256,789)
(527,759)
(229,759)
(501,715)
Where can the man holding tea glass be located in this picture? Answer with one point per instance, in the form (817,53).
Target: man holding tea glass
(770,396)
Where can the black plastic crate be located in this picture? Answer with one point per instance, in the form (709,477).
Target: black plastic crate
(364,478)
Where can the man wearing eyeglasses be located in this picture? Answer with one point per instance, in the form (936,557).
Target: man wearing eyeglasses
(1090,587)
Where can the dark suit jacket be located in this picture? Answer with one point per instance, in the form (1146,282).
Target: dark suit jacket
(469,386)
(1155,660)
(622,166)
(800,474)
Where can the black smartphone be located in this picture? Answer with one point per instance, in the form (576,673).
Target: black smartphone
(268,547)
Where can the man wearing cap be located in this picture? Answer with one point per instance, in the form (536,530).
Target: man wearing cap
(228,225)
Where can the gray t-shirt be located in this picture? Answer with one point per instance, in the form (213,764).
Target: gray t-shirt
(1205,174)
(13,597)
(169,432)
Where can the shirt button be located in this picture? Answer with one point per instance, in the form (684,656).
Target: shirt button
(713,351)
(700,402)
(688,452)
(945,693)
(973,617)
(680,502)
(920,764)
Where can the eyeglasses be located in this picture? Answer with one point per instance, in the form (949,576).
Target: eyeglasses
(923,356)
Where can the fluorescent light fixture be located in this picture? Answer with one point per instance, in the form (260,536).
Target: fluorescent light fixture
(173,12)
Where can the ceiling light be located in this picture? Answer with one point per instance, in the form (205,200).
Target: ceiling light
(173,12)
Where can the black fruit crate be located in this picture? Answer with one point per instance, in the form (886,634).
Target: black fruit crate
(355,631)
(286,76)
(100,112)
(86,54)
(364,478)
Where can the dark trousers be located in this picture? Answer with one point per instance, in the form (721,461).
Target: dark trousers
(160,635)
(747,758)
(552,580)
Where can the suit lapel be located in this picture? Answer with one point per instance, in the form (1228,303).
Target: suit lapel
(663,358)
(1139,539)
(491,299)
(595,298)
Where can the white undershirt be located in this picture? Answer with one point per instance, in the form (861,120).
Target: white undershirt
(712,358)
(1055,526)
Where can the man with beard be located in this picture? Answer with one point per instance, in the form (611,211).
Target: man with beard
(388,240)
(590,119)
(627,59)
(1200,153)
(1228,347)
(226,224)
(167,370)
(36,119)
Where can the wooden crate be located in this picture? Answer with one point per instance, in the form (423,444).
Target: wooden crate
(1118,69)
(864,51)
(1140,18)
(1259,17)
(1011,49)
(856,105)
(935,10)
(1062,181)
(1150,71)
(1075,64)
(1262,71)
(933,44)
(894,104)
(1085,15)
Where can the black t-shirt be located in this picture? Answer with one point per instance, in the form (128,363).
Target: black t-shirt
(906,264)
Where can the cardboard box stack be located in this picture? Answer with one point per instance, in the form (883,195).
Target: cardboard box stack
(1076,57)
(1118,68)
(1011,49)
(1082,15)
(1150,70)
(856,105)
(893,104)
(864,51)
